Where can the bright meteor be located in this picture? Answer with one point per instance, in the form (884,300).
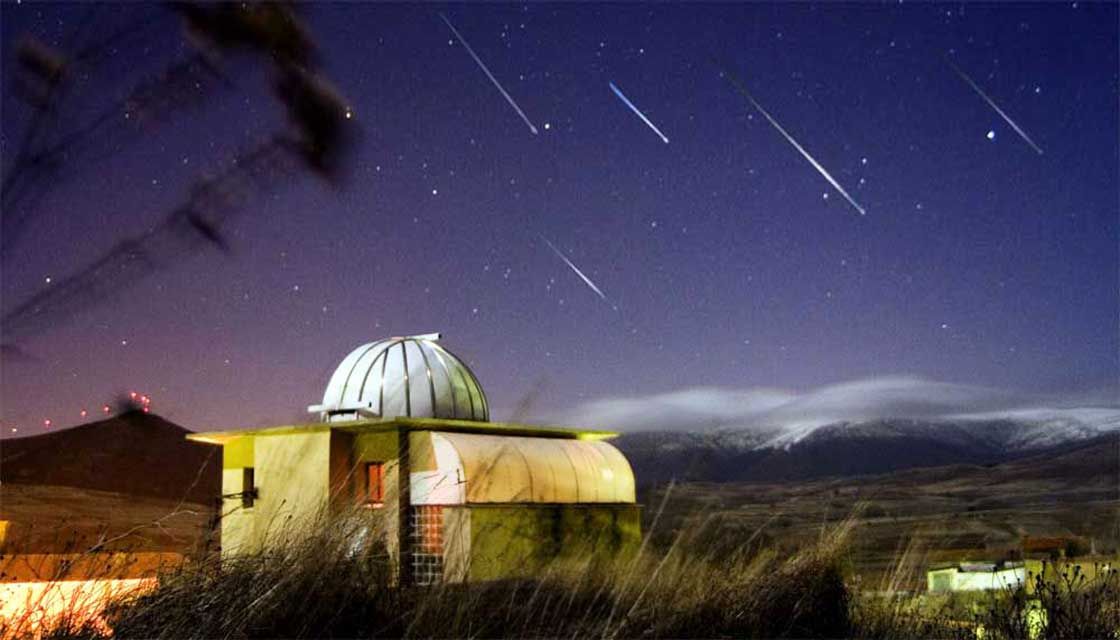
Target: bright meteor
(638,112)
(579,273)
(485,70)
(992,103)
(816,165)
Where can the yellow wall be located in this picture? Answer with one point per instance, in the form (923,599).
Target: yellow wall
(238,453)
(237,523)
(518,540)
(293,480)
(302,477)
(381,447)
(456,544)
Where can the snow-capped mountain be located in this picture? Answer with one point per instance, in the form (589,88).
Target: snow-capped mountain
(869,425)
(858,447)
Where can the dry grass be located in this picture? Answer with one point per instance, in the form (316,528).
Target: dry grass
(325,585)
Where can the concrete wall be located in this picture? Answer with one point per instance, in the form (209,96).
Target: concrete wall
(380,447)
(304,476)
(237,523)
(292,477)
(989,580)
(518,540)
(953,579)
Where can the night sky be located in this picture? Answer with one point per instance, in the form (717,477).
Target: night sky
(725,259)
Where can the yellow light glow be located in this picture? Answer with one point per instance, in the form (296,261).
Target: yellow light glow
(27,607)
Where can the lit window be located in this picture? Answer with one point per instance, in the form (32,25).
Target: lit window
(375,483)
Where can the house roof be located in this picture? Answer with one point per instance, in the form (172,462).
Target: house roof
(412,424)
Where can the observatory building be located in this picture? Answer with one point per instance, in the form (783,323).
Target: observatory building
(403,443)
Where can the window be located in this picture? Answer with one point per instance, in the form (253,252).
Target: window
(375,484)
(248,489)
(426,533)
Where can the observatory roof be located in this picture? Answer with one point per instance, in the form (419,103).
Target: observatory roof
(486,468)
(375,425)
(412,377)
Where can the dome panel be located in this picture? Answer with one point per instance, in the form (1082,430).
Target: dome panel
(407,377)
(420,389)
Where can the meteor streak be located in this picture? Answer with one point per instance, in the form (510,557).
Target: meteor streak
(975,87)
(482,64)
(816,165)
(638,112)
(579,273)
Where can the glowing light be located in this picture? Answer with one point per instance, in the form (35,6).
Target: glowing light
(83,413)
(132,394)
(105,408)
(47,422)
(40,604)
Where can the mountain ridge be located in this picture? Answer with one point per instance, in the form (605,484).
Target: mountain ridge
(848,448)
(133,453)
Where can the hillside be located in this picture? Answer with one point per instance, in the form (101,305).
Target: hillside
(950,512)
(134,453)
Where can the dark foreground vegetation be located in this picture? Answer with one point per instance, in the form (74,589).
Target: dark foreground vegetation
(328,586)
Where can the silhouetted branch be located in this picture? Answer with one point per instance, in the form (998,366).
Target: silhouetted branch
(184,231)
(317,140)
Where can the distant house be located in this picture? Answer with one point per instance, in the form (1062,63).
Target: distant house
(404,440)
(976,577)
(1028,574)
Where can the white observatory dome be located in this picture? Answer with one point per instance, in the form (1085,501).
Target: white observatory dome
(411,377)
